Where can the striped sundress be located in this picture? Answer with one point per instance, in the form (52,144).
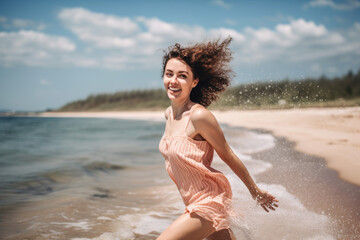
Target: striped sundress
(204,190)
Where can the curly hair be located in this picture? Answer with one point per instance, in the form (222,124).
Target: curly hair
(209,63)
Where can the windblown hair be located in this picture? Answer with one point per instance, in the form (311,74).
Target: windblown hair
(209,62)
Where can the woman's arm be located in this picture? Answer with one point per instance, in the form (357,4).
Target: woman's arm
(207,126)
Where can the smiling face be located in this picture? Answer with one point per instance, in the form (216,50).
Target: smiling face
(178,79)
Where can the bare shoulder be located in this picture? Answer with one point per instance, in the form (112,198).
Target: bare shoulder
(167,112)
(201,116)
(208,127)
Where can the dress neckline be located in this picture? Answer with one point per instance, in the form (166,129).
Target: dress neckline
(186,112)
(184,135)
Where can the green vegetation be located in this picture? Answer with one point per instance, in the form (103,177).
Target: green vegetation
(340,91)
(125,100)
(322,92)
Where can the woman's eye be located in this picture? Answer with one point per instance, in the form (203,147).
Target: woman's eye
(183,76)
(168,74)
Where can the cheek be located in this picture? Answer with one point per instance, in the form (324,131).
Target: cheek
(165,81)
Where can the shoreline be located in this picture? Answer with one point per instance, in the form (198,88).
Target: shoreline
(330,133)
(317,187)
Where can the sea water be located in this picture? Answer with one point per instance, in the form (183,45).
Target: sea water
(88,178)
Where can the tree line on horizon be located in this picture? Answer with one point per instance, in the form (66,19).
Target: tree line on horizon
(340,91)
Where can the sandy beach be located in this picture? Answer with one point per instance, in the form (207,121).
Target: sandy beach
(330,133)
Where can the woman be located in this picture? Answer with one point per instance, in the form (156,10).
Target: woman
(193,77)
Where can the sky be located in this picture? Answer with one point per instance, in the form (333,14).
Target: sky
(55,52)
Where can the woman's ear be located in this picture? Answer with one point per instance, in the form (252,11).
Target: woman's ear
(195,82)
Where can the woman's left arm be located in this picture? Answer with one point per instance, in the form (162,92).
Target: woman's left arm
(207,126)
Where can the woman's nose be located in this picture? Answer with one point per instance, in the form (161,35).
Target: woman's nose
(174,79)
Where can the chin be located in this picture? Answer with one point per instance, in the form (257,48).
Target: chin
(170,96)
(173,96)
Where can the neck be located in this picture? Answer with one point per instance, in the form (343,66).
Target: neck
(179,107)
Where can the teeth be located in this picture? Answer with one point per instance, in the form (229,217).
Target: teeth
(174,89)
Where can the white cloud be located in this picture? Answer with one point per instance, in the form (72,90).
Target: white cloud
(163,32)
(307,29)
(31,48)
(27,24)
(113,42)
(348,5)
(224,32)
(104,31)
(298,40)
(221,3)
(138,36)
(18,23)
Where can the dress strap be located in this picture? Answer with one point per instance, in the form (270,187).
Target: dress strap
(191,111)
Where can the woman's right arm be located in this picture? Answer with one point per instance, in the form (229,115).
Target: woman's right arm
(208,127)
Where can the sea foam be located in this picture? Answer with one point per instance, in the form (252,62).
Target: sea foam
(291,220)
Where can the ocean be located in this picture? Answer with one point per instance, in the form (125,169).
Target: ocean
(93,178)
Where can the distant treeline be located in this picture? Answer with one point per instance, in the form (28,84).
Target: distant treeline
(323,91)
(298,93)
(124,100)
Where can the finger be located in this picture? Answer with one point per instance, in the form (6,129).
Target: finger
(271,207)
(272,198)
(265,208)
(275,205)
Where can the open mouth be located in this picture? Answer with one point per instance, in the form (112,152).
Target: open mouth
(174,89)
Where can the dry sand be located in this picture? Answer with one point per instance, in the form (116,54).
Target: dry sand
(331,133)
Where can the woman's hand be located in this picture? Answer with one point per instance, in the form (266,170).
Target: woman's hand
(265,200)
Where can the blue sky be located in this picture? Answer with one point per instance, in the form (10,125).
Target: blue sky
(54,52)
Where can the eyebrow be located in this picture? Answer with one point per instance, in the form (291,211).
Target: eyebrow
(179,71)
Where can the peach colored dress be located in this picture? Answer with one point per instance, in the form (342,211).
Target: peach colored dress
(204,190)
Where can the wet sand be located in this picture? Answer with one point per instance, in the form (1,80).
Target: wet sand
(318,187)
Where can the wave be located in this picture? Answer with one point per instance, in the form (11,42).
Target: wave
(44,183)
(53,180)
(102,167)
(34,185)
